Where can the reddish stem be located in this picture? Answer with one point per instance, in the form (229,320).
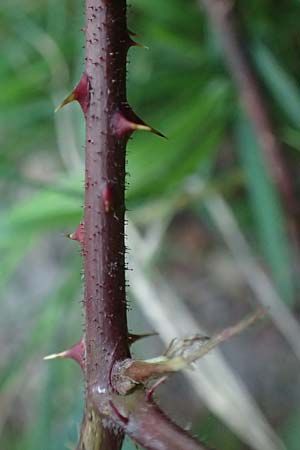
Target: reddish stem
(150,427)
(108,415)
(103,247)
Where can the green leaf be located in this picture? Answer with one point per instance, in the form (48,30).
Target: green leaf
(283,87)
(270,220)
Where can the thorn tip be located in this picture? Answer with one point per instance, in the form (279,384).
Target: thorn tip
(126,121)
(77,353)
(67,100)
(80,94)
(55,356)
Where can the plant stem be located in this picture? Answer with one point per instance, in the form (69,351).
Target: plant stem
(151,428)
(103,249)
(109,122)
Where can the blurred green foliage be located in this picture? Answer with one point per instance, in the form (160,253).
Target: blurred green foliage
(179,86)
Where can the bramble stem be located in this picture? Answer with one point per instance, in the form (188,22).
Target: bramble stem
(109,123)
(103,248)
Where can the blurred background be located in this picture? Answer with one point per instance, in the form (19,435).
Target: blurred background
(207,232)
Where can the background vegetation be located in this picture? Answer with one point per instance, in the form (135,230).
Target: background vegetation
(206,229)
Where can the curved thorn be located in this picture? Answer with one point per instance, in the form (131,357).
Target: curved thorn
(69,99)
(125,122)
(60,355)
(132,338)
(78,234)
(137,126)
(81,94)
(77,353)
